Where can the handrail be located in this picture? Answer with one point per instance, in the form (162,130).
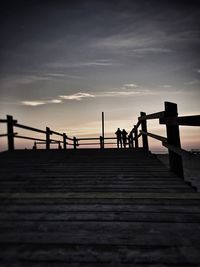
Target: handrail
(56,133)
(168,117)
(155,136)
(30,138)
(11,123)
(185,120)
(29,128)
(71,139)
(156,115)
(89,138)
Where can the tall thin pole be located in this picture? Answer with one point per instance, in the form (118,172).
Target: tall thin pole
(103,124)
(103,128)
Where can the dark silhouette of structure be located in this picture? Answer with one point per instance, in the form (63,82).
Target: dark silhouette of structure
(119,137)
(168,117)
(124,137)
(130,140)
(87,207)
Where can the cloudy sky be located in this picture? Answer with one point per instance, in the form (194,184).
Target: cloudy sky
(64,62)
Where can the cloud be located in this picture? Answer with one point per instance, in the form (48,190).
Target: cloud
(25,79)
(198,71)
(80,96)
(36,103)
(142,42)
(166,86)
(54,101)
(33,103)
(77,96)
(152,50)
(95,63)
(62,75)
(129,86)
(125,93)
(193,82)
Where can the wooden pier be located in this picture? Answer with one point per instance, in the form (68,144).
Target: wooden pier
(92,207)
(98,207)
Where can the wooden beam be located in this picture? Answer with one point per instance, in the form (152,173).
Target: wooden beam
(144,129)
(173,138)
(185,120)
(156,115)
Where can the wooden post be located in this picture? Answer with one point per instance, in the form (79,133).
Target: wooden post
(59,145)
(48,141)
(103,129)
(101,142)
(64,141)
(144,128)
(130,140)
(136,136)
(35,146)
(75,142)
(10,133)
(173,138)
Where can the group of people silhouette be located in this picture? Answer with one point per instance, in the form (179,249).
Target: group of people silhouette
(122,138)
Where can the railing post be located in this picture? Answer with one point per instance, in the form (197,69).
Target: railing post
(101,142)
(75,142)
(144,128)
(48,141)
(64,141)
(10,133)
(136,136)
(173,138)
(130,140)
(35,146)
(59,145)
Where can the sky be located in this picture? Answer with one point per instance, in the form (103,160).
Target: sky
(64,62)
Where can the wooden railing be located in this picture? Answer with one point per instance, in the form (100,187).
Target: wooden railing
(170,118)
(48,140)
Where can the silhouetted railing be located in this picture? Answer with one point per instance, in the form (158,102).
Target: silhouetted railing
(48,140)
(170,118)
(11,135)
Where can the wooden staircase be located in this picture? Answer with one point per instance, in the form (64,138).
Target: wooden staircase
(93,207)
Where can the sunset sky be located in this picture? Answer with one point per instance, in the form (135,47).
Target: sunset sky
(64,62)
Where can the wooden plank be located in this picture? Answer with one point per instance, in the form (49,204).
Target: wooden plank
(184,120)
(101,255)
(156,115)
(155,136)
(115,233)
(101,216)
(107,195)
(108,206)
(29,128)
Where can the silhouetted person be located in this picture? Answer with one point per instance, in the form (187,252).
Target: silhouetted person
(119,137)
(124,137)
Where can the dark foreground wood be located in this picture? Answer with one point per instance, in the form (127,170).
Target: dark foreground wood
(95,208)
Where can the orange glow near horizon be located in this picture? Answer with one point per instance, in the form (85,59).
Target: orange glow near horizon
(189,135)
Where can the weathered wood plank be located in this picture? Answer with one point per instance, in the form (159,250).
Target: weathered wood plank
(115,233)
(103,216)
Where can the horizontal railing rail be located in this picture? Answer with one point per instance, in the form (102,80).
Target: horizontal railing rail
(182,121)
(11,135)
(168,117)
(156,115)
